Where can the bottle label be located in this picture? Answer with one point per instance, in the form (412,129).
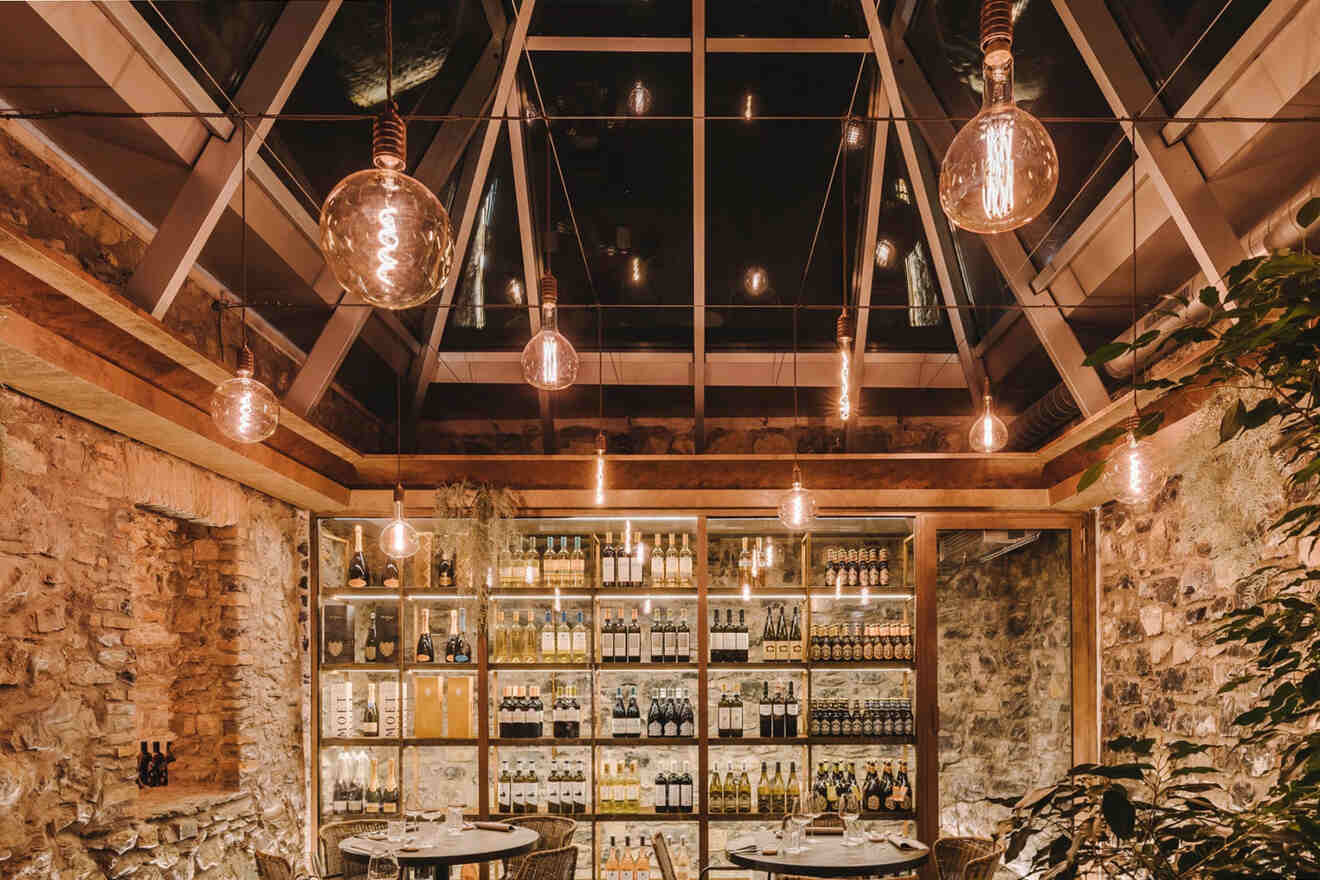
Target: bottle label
(634,644)
(580,643)
(547,644)
(687,728)
(564,642)
(684,643)
(671,645)
(778,710)
(657,569)
(671,728)
(607,646)
(685,795)
(724,716)
(369,728)
(742,642)
(657,646)
(340,806)
(765,710)
(607,570)
(792,709)
(625,874)
(736,718)
(552,790)
(795,650)
(685,567)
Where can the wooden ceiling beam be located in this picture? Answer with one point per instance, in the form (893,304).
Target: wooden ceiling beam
(1046,321)
(1192,205)
(922,186)
(468,199)
(215,177)
(52,369)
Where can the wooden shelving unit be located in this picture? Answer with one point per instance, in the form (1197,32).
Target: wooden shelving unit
(705,747)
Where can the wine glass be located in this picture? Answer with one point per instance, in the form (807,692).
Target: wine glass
(850,811)
(383,867)
(797,842)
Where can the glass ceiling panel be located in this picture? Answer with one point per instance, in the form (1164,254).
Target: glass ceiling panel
(491,286)
(784,18)
(436,48)
(448,401)
(1162,32)
(216,42)
(629,184)
(766,182)
(1051,80)
(612,18)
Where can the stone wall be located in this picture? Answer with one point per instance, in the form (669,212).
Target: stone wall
(1005,677)
(116,620)
(1168,571)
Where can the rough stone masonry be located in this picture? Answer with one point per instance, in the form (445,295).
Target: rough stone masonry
(118,621)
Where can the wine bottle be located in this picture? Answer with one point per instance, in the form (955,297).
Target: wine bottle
(765,710)
(425,649)
(463,653)
(683,640)
(358,575)
(371,649)
(370,725)
(391,578)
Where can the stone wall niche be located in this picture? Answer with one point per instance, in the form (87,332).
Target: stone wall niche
(186,689)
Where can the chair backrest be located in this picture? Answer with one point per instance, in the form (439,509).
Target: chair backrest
(332,863)
(826,823)
(662,857)
(273,867)
(555,831)
(966,858)
(549,864)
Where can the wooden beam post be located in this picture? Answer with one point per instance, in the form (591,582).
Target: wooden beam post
(210,187)
(699,225)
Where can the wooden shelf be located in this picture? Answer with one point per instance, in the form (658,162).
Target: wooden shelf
(359,667)
(392,741)
(541,742)
(757,741)
(863,740)
(442,667)
(896,815)
(691,665)
(495,667)
(787,665)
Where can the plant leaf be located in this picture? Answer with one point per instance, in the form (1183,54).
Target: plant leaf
(1090,475)
(1308,213)
(1231,424)
(1120,815)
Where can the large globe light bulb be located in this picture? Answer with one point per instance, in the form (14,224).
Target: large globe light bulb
(1136,478)
(1002,169)
(549,361)
(988,433)
(398,540)
(797,509)
(385,236)
(242,408)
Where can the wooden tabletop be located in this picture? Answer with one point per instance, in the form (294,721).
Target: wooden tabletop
(436,847)
(828,857)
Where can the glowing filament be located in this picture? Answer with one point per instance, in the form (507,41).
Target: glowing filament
(600,478)
(747,106)
(997,194)
(845,379)
(884,253)
(388,236)
(549,360)
(798,513)
(636,273)
(769,553)
(558,607)
(866,595)
(746,592)
(646,605)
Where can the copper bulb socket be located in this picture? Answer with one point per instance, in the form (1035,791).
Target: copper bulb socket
(398,493)
(389,141)
(843,328)
(996,26)
(246,363)
(549,290)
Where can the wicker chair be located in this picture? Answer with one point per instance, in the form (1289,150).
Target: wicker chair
(273,867)
(966,858)
(548,864)
(554,831)
(666,862)
(332,864)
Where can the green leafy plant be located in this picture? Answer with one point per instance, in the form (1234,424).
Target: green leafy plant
(476,521)
(1162,810)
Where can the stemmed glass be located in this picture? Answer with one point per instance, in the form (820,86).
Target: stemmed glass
(383,867)
(850,811)
(796,840)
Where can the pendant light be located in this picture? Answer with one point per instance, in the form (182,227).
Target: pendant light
(988,432)
(244,409)
(384,234)
(549,361)
(843,327)
(398,540)
(1136,477)
(797,506)
(600,409)
(1002,169)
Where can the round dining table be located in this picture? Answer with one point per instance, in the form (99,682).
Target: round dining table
(436,848)
(826,856)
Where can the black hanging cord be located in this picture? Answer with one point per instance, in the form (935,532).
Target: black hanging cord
(242,239)
(795,387)
(1136,378)
(843,201)
(389,54)
(398,429)
(548,194)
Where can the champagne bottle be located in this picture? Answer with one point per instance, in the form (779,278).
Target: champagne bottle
(715,791)
(358,574)
(370,725)
(389,799)
(425,649)
(463,653)
(371,649)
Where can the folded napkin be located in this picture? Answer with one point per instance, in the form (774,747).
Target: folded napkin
(905,842)
(493,826)
(746,843)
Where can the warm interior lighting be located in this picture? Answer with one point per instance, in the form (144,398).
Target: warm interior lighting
(639,99)
(242,408)
(1002,168)
(549,361)
(635,274)
(797,509)
(385,236)
(600,469)
(748,106)
(398,540)
(886,253)
(854,133)
(515,290)
(988,433)
(1136,479)
(844,334)
(755,280)
(866,595)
